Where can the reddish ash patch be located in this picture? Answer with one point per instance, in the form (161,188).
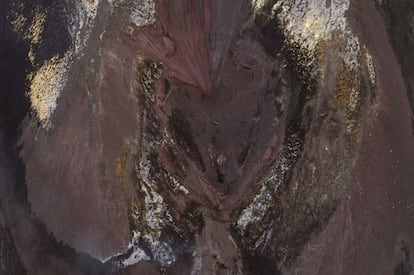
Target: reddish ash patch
(179,39)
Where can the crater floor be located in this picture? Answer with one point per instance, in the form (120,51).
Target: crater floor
(206,137)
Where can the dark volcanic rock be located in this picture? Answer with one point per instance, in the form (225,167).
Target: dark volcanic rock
(206,137)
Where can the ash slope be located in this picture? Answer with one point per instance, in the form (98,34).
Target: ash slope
(176,136)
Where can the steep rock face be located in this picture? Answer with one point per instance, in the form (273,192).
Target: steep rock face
(375,213)
(177,136)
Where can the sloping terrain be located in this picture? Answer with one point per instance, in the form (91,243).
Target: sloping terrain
(206,137)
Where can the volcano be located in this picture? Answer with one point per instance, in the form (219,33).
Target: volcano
(206,137)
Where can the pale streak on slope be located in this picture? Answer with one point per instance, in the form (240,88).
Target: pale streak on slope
(49,80)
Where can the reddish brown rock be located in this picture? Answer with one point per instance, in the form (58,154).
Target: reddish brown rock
(201,137)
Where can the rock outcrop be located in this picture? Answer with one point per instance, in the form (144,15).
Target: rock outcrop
(206,137)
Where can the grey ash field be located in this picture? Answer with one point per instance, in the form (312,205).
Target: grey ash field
(207,137)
